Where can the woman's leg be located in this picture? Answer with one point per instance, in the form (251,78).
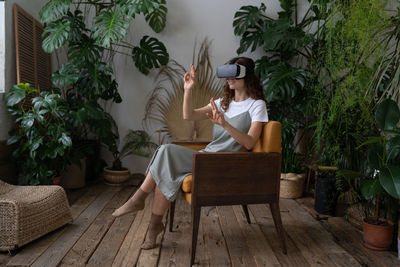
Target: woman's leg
(136,202)
(160,205)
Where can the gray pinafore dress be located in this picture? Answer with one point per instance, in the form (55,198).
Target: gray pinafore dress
(171,163)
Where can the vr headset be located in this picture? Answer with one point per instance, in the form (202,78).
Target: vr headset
(231,71)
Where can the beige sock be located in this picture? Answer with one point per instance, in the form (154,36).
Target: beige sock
(135,203)
(155,227)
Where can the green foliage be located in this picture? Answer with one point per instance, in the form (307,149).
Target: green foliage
(157,19)
(41,132)
(284,40)
(343,112)
(384,152)
(54,10)
(57,34)
(87,77)
(109,27)
(151,54)
(135,143)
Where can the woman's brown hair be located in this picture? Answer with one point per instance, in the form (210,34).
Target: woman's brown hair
(251,81)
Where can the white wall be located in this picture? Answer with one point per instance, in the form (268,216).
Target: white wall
(187,21)
(32,7)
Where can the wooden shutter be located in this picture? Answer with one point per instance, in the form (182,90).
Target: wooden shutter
(33,64)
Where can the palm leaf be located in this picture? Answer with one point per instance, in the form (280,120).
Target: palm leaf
(54,10)
(164,108)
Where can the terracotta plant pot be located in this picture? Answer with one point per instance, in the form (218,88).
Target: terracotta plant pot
(57,180)
(378,237)
(115,178)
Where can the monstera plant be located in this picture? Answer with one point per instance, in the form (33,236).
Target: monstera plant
(91,33)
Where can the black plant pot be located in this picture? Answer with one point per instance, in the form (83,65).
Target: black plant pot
(326,193)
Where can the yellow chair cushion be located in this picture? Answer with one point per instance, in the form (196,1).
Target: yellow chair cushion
(188,197)
(187,184)
(270,141)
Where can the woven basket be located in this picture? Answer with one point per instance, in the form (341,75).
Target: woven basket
(291,185)
(29,212)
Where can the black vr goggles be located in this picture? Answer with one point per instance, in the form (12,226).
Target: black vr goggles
(231,71)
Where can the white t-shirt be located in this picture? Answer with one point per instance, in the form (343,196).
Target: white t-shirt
(257,109)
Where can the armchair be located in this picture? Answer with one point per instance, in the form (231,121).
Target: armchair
(235,178)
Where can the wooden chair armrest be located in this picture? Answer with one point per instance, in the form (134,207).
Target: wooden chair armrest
(236,173)
(191,145)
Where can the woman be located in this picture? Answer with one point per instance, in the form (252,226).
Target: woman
(238,119)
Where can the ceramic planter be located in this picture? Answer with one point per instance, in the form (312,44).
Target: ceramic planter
(377,237)
(115,178)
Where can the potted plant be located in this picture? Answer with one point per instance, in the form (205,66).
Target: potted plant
(292,172)
(92,32)
(384,179)
(135,143)
(40,131)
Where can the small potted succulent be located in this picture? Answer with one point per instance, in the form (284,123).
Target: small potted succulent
(136,142)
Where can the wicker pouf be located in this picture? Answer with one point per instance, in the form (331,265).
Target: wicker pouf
(29,212)
(291,185)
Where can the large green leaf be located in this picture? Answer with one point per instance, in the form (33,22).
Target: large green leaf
(54,10)
(150,54)
(275,34)
(248,17)
(146,6)
(370,188)
(55,35)
(249,39)
(375,156)
(283,81)
(14,96)
(66,75)
(393,148)
(287,6)
(65,140)
(387,115)
(110,26)
(86,50)
(389,178)
(157,18)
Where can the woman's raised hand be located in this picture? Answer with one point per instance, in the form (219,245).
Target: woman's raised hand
(216,117)
(189,78)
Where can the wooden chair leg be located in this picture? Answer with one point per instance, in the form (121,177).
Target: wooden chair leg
(276,215)
(171,215)
(195,230)
(246,212)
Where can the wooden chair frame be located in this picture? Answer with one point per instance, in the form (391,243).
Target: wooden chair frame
(234,178)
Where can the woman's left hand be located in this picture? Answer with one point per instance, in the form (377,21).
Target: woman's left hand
(216,117)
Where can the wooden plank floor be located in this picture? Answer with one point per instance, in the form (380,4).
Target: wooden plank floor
(225,238)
